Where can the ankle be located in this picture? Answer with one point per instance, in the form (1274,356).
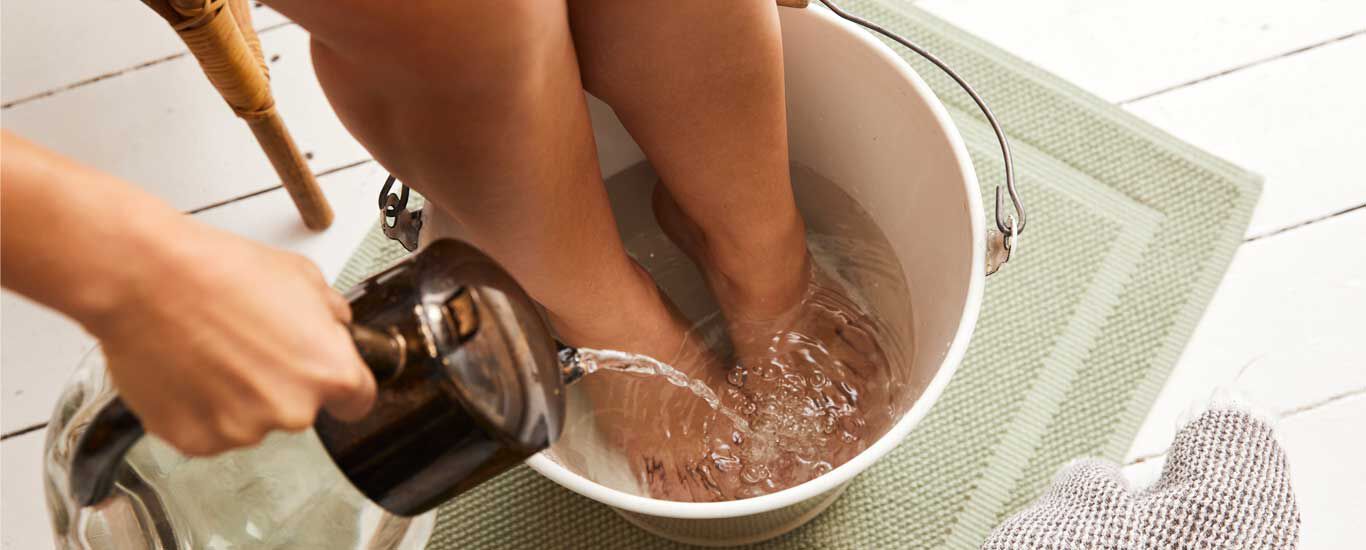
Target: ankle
(763,276)
(779,235)
(635,318)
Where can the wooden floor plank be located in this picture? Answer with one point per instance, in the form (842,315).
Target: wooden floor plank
(166,129)
(38,349)
(1121,50)
(1325,450)
(1299,121)
(1283,330)
(45,45)
(24,513)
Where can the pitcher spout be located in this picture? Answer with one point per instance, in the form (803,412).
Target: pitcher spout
(571,364)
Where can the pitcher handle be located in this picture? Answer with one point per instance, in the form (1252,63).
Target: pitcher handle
(99,451)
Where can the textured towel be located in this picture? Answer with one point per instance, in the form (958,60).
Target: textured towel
(1130,231)
(1224,485)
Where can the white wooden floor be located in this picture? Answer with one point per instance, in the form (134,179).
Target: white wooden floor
(1276,86)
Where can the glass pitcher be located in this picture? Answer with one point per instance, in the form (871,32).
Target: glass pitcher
(469,384)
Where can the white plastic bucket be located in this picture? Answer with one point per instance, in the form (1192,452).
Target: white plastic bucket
(858,115)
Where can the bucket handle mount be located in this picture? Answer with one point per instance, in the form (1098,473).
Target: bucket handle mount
(1003,240)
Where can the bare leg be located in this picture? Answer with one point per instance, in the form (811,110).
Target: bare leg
(699,84)
(479,106)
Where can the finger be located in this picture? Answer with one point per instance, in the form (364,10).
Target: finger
(193,439)
(338,304)
(354,400)
(287,407)
(295,418)
(238,429)
(351,393)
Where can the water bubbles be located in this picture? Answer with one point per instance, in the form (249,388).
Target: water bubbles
(736,376)
(797,409)
(754,473)
(829,401)
(767,372)
(850,428)
(802,405)
(726,464)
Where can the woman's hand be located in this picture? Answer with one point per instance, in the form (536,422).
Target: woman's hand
(212,339)
(227,340)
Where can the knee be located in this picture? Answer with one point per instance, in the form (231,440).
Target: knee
(502,50)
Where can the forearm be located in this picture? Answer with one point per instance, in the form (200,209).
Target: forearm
(75,239)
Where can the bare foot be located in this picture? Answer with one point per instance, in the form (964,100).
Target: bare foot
(809,383)
(638,319)
(813,399)
(756,280)
(677,446)
(662,428)
(810,377)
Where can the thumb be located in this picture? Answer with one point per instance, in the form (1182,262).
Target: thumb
(337,303)
(352,394)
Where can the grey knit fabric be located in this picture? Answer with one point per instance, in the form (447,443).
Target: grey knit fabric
(1225,485)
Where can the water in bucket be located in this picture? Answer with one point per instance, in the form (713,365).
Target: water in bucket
(818,392)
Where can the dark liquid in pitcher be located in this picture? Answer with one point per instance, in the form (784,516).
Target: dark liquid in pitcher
(459,411)
(435,444)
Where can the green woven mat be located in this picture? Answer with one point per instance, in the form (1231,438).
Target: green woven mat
(1130,231)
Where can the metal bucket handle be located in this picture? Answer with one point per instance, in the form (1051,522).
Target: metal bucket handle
(1005,238)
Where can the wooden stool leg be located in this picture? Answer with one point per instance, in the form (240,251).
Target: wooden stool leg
(293,170)
(241,13)
(230,54)
(276,141)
